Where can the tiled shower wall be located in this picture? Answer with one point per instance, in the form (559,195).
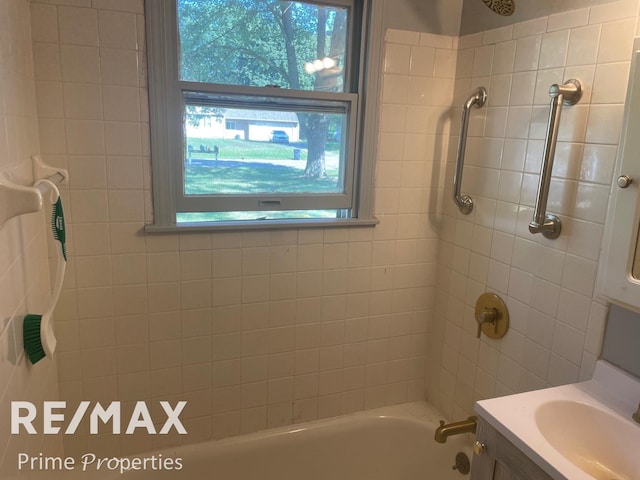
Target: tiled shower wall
(261,329)
(548,285)
(24,270)
(253,329)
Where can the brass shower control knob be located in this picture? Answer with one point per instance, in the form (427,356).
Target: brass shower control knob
(492,316)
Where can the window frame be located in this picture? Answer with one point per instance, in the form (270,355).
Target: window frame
(166,121)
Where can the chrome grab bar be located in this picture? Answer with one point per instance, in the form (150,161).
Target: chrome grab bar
(567,94)
(477,99)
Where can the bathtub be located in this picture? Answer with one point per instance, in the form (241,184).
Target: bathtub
(393,443)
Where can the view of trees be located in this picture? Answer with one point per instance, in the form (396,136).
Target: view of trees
(267,43)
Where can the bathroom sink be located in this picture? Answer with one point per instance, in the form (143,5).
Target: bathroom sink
(592,439)
(581,431)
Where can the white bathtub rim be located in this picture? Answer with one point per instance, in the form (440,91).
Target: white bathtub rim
(415,412)
(419,414)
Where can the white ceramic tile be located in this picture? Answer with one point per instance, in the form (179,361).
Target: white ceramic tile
(49,99)
(121,103)
(583,45)
(502,247)
(499,92)
(568,343)
(496,122)
(482,61)
(522,88)
(579,275)
(445,64)
(78,26)
(520,285)
(164,297)
(573,124)
(119,67)
(117,29)
(613,11)
(464,63)
(89,206)
(421,61)
(553,50)
(394,89)
(401,36)
(513,154)
(591,202)
(570,19)
(525,254)
(44,23)
(545,296)
(80,64)
(605,123)
(530,27)
(498,276)
(518,122)
(504,56)
(438,41)
(616,41)
(551,269)
(85,137)
(610,83)
(497,35)
(598,163)
(469,41)
(527,53)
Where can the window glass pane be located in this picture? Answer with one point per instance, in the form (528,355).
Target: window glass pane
(261,151)
(201,217)
(292,45)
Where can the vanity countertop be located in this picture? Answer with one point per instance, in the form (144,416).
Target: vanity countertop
(581,431)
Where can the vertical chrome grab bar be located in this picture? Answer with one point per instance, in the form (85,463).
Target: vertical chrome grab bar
(477,99)
(567,94)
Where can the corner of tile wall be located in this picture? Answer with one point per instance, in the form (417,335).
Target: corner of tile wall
(24,268)
(557,322)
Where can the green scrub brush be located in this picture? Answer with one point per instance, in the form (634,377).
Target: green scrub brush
(39,339)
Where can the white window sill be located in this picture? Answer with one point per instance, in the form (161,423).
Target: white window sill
(261,225)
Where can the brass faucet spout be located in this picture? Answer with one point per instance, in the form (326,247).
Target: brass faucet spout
(444,431)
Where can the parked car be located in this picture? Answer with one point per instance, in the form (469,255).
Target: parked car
(279,136)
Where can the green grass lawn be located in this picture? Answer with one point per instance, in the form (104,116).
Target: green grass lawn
(235,173)
(246,149)
(223,177)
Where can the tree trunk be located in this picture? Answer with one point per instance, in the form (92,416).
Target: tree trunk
(289,35)
(316,143)
(317,127)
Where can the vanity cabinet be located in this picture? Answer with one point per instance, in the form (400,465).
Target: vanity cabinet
(619,268)
(500,459)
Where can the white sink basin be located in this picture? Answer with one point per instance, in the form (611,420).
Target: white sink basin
(594,440)
(581,431)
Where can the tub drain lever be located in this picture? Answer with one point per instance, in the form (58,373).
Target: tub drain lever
(463,465)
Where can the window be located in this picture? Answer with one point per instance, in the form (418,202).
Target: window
(258,111)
